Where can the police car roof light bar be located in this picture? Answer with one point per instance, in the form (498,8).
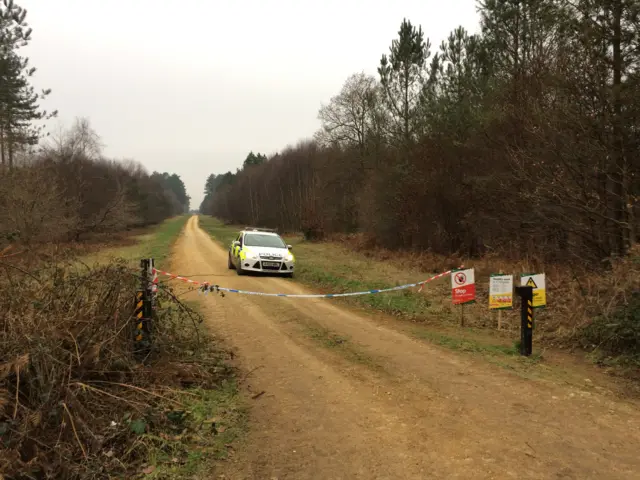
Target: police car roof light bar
(256,229)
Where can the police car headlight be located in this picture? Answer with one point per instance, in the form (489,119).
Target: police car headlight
(288,257)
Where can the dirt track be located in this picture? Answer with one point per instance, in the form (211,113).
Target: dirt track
(387,406)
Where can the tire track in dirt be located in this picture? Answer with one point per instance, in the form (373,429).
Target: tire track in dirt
(428,413)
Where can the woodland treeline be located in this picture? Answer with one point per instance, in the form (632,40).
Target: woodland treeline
(521,139)
(62,187)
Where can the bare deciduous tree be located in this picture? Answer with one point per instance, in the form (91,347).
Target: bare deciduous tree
(79,140)
(348,119)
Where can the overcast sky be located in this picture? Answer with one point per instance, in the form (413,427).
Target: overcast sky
(191,86)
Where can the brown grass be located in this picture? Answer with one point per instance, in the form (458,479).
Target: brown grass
(577,297)
(73,399)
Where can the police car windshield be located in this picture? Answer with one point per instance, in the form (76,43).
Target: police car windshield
(261,240)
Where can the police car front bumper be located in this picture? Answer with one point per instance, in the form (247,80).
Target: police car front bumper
(267,266)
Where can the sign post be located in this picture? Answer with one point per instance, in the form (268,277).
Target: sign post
(144,307)
(526,319)
(500,294)
(463,289)
(138,313)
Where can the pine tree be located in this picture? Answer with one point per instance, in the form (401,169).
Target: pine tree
(458,84)
(19,102)
(253,160)
(608,33)
(402,75)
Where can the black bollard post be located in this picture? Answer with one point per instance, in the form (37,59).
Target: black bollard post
(138,314)
(143,311)
(526,320)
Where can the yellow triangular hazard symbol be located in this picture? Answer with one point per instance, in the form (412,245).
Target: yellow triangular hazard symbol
(531,283)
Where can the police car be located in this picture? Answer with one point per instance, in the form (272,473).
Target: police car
(260,250)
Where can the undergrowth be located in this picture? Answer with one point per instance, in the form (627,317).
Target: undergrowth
(596,310)
(154,244)
(616,334)
(74,401)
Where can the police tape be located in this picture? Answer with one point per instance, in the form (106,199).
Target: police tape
(206,287)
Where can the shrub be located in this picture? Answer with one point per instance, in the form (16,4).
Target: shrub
(73,399)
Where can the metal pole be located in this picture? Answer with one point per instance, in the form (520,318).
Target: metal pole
(137,317)
(500,310)
(143,310)
(526,320)
(154,286)
(149,303)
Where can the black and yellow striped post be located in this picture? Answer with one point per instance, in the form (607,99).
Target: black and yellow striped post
(526,320)
(138,314)
(143,311)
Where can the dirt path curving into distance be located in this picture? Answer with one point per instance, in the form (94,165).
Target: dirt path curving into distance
(347,397)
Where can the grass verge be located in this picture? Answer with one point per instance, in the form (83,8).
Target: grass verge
(155,243)
(197,435)
(223,234)
(467,341)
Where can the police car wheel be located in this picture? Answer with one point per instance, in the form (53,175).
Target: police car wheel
(229,263)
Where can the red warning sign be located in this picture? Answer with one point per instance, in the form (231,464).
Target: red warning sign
(463,286)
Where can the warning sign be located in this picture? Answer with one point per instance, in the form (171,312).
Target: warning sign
(463,286)
(500,291)
(537,281)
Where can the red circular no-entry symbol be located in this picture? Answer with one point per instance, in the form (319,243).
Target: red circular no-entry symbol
(460,278)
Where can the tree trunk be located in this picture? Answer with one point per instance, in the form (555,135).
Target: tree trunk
(619,169)
(10,149)
(2,152)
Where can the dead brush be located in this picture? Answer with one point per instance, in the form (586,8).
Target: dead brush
(587,308)
(73,400)
(607,319)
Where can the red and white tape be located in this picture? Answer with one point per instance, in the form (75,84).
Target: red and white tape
(206,287)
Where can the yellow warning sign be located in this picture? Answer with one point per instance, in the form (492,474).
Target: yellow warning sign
(537,281)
